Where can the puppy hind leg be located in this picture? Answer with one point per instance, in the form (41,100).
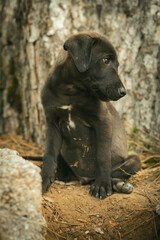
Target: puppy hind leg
(130,167)
(64,173)
(120,186)
(124,171)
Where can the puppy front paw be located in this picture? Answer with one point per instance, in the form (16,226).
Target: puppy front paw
(100,190)
(46,183)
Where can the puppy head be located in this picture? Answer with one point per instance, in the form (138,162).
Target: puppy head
(95,57)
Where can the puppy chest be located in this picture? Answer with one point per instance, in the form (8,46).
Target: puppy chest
(71,118)
(78,150)
(66,118)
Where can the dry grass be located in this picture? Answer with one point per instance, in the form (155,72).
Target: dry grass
(146,145)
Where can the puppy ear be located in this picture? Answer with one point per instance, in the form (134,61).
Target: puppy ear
(80,48)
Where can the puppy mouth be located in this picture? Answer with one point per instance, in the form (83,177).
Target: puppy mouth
(106,98)
(115,98)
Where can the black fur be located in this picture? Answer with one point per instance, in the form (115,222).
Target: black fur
(83,128)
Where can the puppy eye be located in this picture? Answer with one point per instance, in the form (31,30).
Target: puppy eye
(106,60)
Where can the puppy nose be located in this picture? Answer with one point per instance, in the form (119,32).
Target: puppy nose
(122,91)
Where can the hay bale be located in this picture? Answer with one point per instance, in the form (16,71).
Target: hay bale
(20,198)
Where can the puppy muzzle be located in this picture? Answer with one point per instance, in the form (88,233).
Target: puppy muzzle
(109,93)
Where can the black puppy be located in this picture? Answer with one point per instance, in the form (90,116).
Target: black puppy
(83,128)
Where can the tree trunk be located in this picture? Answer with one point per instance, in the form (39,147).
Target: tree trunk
(32,33)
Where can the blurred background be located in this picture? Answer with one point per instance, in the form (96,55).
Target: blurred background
(32,33)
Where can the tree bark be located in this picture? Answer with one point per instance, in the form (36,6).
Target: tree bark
(32,33)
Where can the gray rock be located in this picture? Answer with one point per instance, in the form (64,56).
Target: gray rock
(20,198)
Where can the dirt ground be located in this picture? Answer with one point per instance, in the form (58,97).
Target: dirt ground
(71,213)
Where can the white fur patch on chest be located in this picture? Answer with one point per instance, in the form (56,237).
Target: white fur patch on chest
(71,123)
(66,107)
